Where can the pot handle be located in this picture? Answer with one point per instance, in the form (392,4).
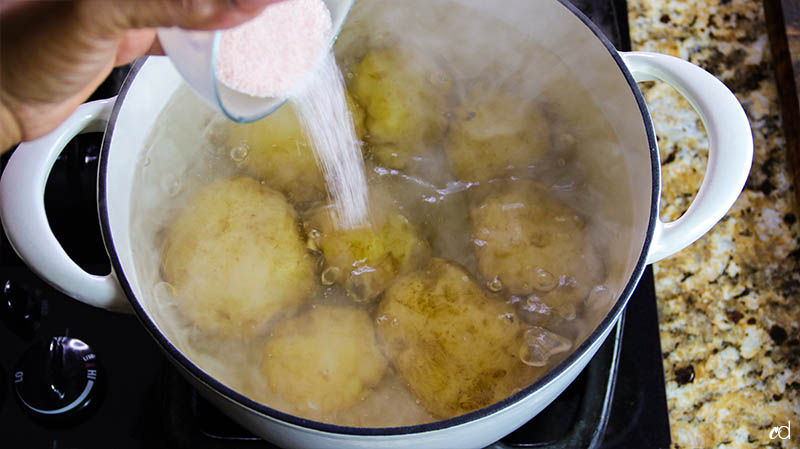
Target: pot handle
(730,153)
(23,215)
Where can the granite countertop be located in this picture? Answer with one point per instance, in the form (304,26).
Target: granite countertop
(729,305)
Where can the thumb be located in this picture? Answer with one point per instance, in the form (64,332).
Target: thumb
(120,15)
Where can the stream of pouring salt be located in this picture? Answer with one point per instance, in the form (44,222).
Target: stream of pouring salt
(322,109)
(266,56)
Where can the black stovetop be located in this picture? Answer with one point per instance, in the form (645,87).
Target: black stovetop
(617,402)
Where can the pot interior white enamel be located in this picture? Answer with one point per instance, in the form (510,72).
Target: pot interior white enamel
(562,58)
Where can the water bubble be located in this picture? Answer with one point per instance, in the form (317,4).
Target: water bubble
(480,243)
(600,295)
(312,246)
(540,345)
(537,312)
(495,285)
(544,281)
(561,162)
(534,304)
(568,311)
(350,75)
(312,242)
(239,152)
(330,275)
(508,318)
(358,288)
(600,300)
(568,281)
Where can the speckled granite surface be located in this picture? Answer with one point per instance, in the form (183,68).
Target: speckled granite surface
(729,306)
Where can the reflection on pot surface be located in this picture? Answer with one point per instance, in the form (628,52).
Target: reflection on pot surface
(499,210)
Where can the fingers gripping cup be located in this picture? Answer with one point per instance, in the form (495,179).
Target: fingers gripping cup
(249,71)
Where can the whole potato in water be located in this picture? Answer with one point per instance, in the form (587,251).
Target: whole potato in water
(235,258)
(530,243)
(366,260)
(405,99)
(495,134)
(325,359)
(455,345)
(279,153)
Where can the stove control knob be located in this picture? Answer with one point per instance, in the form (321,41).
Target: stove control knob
(20,310)
(57,378)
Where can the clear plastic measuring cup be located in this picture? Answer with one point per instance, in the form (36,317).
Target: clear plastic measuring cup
(194,55)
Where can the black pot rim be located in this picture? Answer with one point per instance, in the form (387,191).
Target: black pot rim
(178,358)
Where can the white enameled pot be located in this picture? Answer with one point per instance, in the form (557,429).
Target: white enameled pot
(559,27)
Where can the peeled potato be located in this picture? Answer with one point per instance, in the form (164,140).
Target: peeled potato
(495,134)
(455,345)
(279,153)
(405,100)
(325,359)
(365,261)
(235,258)
(528,242)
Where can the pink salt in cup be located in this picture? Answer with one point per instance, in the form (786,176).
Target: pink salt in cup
(248,82)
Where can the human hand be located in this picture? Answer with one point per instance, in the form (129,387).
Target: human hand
(54,54)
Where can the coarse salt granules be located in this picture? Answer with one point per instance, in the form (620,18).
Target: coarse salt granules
(268,55)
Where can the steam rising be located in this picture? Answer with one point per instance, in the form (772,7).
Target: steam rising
(496,51)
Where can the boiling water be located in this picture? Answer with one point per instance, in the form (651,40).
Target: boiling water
(322,110)
(583,168)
